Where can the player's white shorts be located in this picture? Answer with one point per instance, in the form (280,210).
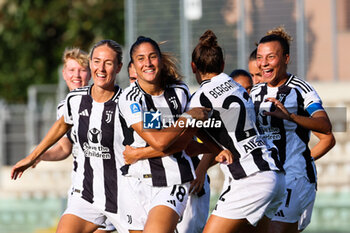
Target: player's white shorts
(251,197)
(196,213)
(298,202)
(138,198)
(85,210)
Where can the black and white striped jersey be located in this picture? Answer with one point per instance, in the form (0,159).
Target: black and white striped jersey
(71,135)
(134,104)
(99,140)
(231,106)
(291,139)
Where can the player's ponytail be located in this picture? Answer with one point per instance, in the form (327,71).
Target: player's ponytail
(207,55)
(170,71)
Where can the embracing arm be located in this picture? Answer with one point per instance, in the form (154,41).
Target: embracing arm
(325,143)
(161,140)
(55,133)
(132,155)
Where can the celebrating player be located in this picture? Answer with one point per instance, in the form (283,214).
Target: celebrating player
(254,183)
(92,113)
(160,184)
(287,109)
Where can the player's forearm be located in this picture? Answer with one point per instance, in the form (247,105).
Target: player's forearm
(206,162)
(326,142)
(54,134)
(319,124)
(164,139)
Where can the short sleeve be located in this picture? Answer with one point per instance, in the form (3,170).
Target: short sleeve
(60,109)
(67,113)
(130,110)
(312,102)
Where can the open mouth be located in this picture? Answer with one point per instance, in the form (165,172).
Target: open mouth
(101,75)
(267,72)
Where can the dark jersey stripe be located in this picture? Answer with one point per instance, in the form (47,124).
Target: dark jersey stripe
(261,94)
(156,164)
(86,104)
(128,135)
(262,164)
(109,165)
(278,123)
(303,134)
(183,163)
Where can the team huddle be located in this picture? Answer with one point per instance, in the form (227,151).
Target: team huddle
(132,177)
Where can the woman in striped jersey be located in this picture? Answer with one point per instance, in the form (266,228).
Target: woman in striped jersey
(152,110)
(92,112)
(287,109)
(254,183)
(76,73)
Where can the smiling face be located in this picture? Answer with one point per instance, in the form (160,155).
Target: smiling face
(75,74)
(104,67)
(147,63)
(272,63)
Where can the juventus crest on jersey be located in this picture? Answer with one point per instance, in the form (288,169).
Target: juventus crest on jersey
(99,144)
(231,105)
(291,139)
(161,171)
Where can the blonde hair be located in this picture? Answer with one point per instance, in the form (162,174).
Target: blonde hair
(76,54)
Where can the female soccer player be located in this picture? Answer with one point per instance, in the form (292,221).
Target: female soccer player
(152,108)
(92,113)
(253,68)
(287,109)
(254,183)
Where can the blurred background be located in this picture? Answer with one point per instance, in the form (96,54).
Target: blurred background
(34,34)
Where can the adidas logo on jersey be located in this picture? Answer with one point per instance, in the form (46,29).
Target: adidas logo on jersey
(280,214)
(84,113)
(172,202)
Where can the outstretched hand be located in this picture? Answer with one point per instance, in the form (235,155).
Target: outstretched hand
(280,112)
(225,156)
(22,165)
